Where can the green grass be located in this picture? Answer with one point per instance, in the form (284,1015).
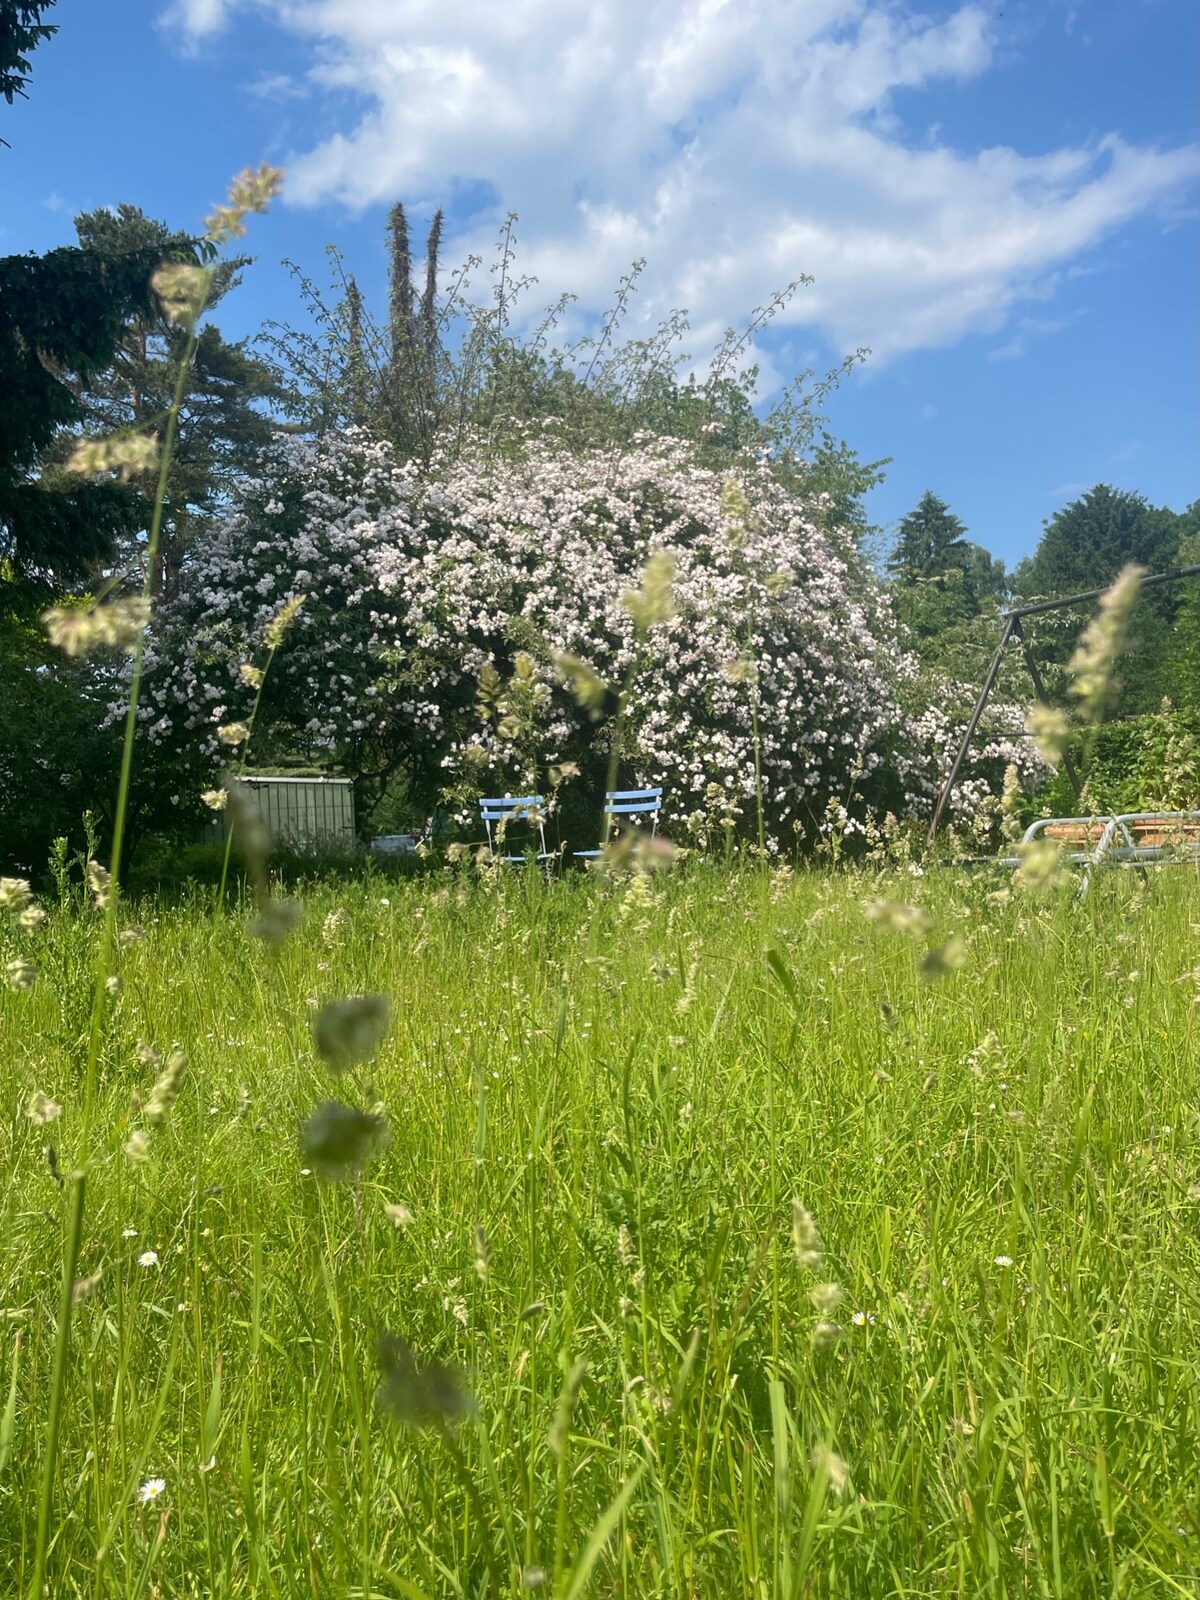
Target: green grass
(678,1058)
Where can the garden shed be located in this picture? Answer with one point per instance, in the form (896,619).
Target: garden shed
(303,812)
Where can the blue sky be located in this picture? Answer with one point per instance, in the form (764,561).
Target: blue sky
(1000,200)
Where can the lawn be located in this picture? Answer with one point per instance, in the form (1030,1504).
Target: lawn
(728,1243)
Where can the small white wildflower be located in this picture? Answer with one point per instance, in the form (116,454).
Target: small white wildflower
(148,1258)
(151,1490)
(1002,1261)
(862,1319)
(129,1233)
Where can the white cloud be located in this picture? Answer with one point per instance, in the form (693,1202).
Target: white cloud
(734,143)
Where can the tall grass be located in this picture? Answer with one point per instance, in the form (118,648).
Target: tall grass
(604,1095)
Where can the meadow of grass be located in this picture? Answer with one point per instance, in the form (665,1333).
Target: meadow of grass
(605,1096)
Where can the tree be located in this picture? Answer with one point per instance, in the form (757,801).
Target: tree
(941,580)
(21,30)
(432,638)
(1087,543)
(1083,547)
(61,319)
(221,428)
(434,399)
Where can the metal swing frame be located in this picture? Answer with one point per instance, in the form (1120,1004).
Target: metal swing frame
(1013,629)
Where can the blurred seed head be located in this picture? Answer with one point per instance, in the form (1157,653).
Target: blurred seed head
(806,1241)
(483,1252)
(41,1109)
(82,1287)
(233,733)
(1050,730)
(338,1141)
(127,454)
(182,289)
(251,191)
(419,1396)
(587,687)
(1042,866)
(1102,641)
(893,917)
(560,1427)
(215,799)
(276,920)
(166,1089)
(21,974)
(251,676)
(15,894)
(828,1464)
(137,1146)
(945,961)
(33,918)
(654,602)
(277,629)
(348,1031)
(825,1297)
(99,882)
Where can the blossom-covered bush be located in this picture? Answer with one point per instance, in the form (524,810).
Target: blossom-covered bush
(445,610)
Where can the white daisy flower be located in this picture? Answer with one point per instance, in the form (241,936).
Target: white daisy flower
(148,1258)
(1002,1261)
(151,1490)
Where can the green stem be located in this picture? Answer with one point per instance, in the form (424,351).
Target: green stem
(245,749)
(108,935)
(58,1382)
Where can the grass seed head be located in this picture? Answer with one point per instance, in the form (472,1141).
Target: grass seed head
(21,974)
(166,1089)
(1102,641)
(276,630)
(828,1464)
(1050,730)
(654,602)
(339,1140)
(348,1031)
(41,1109)
(806,1241)
(83,1287)
(137,1147)
(419,1396)
(276,921)
(15,894)
(945,961)
(893,917)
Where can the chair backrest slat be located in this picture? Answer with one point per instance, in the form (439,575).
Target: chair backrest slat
(527,808)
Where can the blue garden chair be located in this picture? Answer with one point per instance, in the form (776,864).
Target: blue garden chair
(627,803)
(502,813)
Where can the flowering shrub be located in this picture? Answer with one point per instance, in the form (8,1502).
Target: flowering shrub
(470,626)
